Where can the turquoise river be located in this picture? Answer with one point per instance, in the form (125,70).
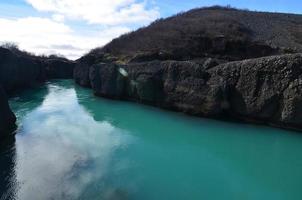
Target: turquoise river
(71,145)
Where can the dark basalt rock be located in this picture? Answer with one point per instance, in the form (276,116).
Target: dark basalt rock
(58,68)
(81,70)
(145,82)
(18,71)
(266,89)
(186,88)
(7,117)
(175,85)
(151,56)
(106,80)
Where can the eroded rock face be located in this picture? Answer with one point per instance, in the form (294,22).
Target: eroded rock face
(58,68)
(106,80)
(185,88)
(81,70)
(264,89)
(7,117)
(17,71)
(144,82)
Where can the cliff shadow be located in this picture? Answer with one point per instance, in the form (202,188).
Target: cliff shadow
(8,180)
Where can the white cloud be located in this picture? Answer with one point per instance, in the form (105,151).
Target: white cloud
(58,17)
(94,23)
(105,12)
(75,139)
(46,36)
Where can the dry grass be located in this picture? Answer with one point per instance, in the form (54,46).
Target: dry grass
(198,32)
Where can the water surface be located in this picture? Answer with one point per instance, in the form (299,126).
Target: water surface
(72,145)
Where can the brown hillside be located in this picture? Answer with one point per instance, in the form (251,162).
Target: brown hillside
(226,33)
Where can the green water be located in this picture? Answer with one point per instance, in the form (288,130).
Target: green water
(72,145)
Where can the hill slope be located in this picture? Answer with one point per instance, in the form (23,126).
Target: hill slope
(212,32)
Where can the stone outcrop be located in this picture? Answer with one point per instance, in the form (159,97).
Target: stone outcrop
(19,71)
(106,80)
(58,68)
(266,90)
(7,117)
(81,70)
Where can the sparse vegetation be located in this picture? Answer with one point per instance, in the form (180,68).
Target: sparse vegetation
(15,49)
(9,45)
(215,31)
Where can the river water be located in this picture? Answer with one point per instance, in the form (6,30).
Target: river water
(72,145)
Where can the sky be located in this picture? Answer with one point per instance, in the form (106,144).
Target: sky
(73,27)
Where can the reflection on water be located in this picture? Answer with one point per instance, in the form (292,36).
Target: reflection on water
(61,150)
(71,145)
(7,169)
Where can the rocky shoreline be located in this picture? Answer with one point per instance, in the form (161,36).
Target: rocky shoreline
(265,90)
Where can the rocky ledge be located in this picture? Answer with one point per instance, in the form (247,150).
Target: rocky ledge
(265,90)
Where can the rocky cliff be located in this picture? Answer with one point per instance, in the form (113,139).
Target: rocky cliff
(19,70)
(266,90)
(212,62)
(58,68)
